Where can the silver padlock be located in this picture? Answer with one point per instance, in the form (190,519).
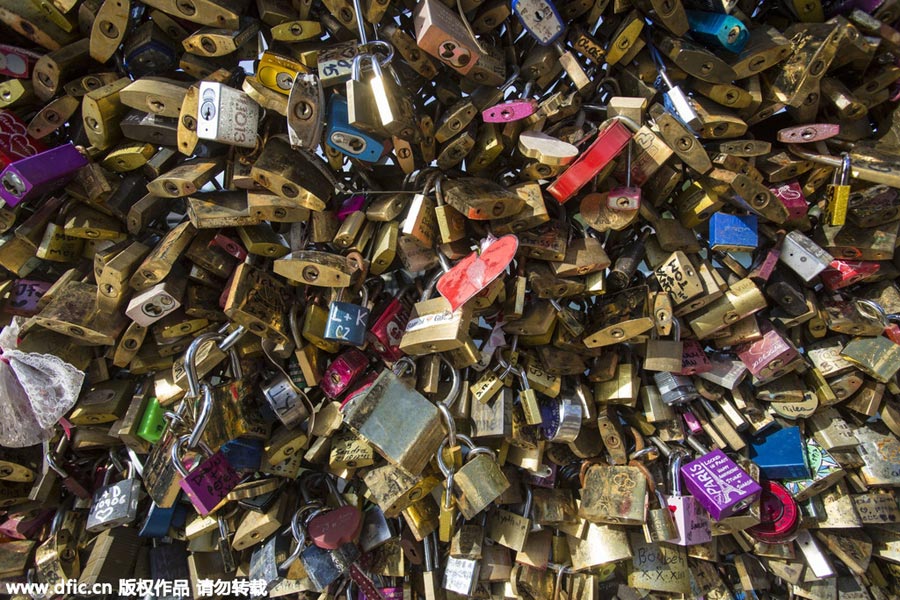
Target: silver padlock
(114,504)
(804,256)
(227,115)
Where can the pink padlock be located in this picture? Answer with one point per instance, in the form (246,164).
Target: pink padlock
(767,357)
(791,195)
(232,247)
(23,525)
(209,482)
(342,372)
(509,111)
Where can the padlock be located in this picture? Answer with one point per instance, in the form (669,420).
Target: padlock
(719,485)
(614,494)
(207,483)
(510,529)
(347,322)
(28,178)
(691,520)
(479,481)
(368,413)
(664,355)
(114,504)
(343,372)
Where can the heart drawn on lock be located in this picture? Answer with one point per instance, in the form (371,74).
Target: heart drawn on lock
(476,271)
(332,529)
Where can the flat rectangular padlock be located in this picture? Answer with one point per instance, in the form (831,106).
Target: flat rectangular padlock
(722,487)
(227,115)
(609,143)
(409,445)
(33,176)
(441,33)
(349,140)
(732,233)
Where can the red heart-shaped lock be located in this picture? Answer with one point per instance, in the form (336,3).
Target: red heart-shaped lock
(332,529)
(473,273)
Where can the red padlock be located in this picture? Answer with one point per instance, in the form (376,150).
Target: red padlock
(779,515)
(387,329)
(842,273)
(332,529)
(609,143)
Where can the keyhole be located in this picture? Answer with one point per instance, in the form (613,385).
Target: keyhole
(538,16)
(296,29)
(186,7)
(208,44)
(109,29)
(303,110)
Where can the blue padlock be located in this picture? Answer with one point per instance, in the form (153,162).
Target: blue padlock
(349,140)
(733,233)
(718,30)
(781,454)
(159,520)
(541,19)
(244,454)
(347,322)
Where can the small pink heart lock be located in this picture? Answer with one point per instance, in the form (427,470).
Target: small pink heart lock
(509,111)
(476,271)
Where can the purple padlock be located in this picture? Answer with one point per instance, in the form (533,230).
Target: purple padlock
(388,593)
(722,487)
(34,176)
(350,205)
(509,111)
(209,482)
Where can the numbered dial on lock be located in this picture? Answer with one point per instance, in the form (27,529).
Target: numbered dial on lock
(331,530)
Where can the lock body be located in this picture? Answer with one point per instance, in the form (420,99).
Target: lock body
(227,115)
(33,176)
(719,485)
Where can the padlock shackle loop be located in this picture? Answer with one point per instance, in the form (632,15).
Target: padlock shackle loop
(449,423)
(203,417)
(861,173)
(231,338)
(190,361)
(873,311)
(442,464)
(675,461)
(176,456)
(51,462)
(404,365)
(360,23)
(455,383)
(628,122)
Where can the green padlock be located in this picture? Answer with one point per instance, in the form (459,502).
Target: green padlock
(152,423)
